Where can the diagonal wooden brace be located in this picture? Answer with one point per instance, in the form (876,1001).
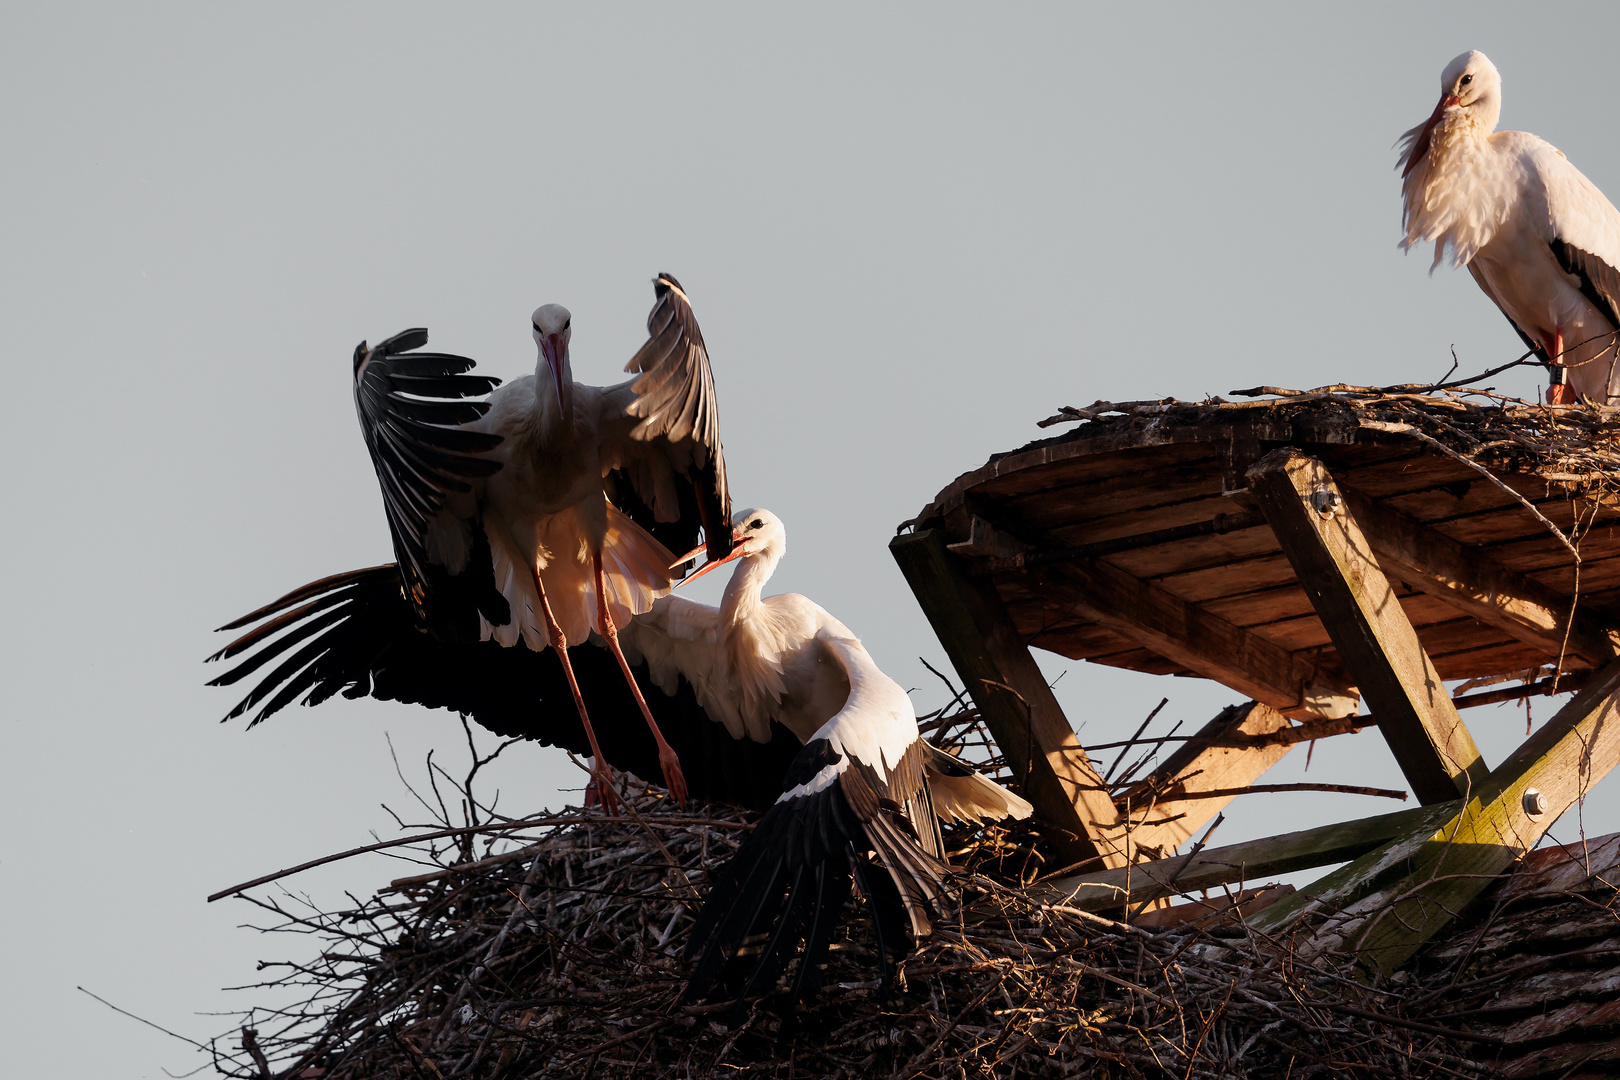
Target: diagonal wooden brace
(1012,696)
(1336,567)
(1383,906)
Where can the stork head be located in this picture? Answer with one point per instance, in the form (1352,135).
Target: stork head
(753,532)
(552,329)
(1470,84)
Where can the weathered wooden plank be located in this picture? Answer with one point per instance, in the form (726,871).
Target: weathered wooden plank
(1252,610)
(1252,860)
(1195,553)
(1477,585)
(1196,767)
(1540,550)
(1460,499)
(1129,490)
(1164,515)
(1234,579)
(1382,906)
(1377,644)
(1193,638)
(1012,697)
(1437,627)
(1074,463)
(1143,660)
(1509,656)
(1419,472)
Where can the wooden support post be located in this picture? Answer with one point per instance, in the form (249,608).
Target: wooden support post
(1012,696)
(1384,905)
(1337,570)
(1476,585)
(1160,824)
(1251,861)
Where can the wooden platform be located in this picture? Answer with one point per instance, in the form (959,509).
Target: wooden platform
(1321,555)
(1136,479)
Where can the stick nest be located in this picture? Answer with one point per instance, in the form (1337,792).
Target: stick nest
(557,954)
(1576,445)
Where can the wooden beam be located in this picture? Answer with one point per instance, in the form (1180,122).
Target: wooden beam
(1251,860)
(1336,567)
(1012,696)
(1475,584)
(1152,616)
(1385,904)
(1162,822)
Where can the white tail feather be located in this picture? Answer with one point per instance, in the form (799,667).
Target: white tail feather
(974,798)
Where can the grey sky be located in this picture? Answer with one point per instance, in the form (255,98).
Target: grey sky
(909,233)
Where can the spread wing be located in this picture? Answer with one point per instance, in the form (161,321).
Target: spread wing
(411,409)
(669,474)
(858,786)
(355,634)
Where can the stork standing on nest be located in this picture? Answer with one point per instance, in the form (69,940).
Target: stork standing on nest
(774,703)
(865,780)
(1538,236)
(498,512)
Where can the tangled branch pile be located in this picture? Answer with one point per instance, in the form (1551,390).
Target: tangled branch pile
(1574,445)
(560,957)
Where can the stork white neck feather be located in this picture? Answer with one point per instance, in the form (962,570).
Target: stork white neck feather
(1455,189)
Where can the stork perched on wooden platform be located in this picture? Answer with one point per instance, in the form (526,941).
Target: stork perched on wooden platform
(1538,236)
(499,517)
(737,689)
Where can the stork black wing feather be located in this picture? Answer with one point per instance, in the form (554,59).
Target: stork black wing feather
(435,412)
(834,809)
(676,403)
(360,637)
(445,385)
(324,587)
(418,447)
(1600,282)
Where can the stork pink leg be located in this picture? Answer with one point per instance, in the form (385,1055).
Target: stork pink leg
(603,779)
(674,779)
(1560,393)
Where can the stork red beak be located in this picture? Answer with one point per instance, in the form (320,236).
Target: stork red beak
(739,549)
(1420,146)
(552,346)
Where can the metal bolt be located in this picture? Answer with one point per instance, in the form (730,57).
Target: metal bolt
(1325,500)
(1535,804)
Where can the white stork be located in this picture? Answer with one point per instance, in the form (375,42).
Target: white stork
(1537,235)
(755,660)
(501,524)
(738,689)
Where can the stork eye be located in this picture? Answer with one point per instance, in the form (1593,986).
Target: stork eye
(756,524)
(1466,79)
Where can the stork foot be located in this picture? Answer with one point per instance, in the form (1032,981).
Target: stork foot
(674,779)
(600,791)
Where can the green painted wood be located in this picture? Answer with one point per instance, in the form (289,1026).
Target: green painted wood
(1248,862)
(1384,905)
(1336,567)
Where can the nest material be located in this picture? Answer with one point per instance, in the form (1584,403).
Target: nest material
(561,958)
(558,955)
(1572,445)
